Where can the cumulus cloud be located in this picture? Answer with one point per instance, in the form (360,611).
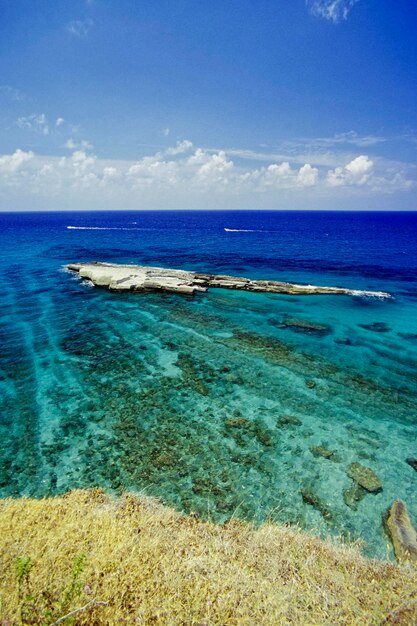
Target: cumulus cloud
(59,121)
(282,170)
(81,161)
(332,10)
(80,28)
(215,171)
(357,172)
(179,148)
(186,176)
(307,176)
(36,122)
(70,144)
(12,162)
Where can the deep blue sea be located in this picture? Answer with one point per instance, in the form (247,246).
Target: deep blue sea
(226,404)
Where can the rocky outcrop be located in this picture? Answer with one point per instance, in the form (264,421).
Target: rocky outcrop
(365,477)
(376,327)
(288,420)
(304,326)
(401,532)
(412,462)
(325,453)
(353,495)
(142,278)
(313,500)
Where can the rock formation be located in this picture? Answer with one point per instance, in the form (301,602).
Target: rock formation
(401,532)
(412,462)
(143,278)
(325,453)
(364,477)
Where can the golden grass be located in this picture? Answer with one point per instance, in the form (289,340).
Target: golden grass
(152,565)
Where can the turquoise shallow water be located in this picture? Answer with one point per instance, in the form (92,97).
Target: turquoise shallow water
(214,403)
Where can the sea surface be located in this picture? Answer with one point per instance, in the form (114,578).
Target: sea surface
(228,403)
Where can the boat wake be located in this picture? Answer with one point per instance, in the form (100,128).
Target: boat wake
(242,230)
(105,228)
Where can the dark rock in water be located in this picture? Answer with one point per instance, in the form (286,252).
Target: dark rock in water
(53,480)
(205,486)
(236,422)
(365,477)
(410,336)
(376,327)
(324,452)
(412,462)
(401,532)
(304,326)
(313,500)
(310,384)
(288,420)
(353,495)
(341,341)
(263,434)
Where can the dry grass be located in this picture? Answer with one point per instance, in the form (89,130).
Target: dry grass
(151,565)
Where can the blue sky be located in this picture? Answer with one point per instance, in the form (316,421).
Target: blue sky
(190,104)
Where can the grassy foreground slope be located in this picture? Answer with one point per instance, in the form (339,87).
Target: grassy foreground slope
(133,561)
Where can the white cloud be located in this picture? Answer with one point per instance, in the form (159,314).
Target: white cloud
(166,131)
(359,169)
(70,144)
(59,121)
(180,147)
(307,176)
(351,137)
(283,170)
(357,172)
(80,28)
(274,176)
(12,162)
(297,152)
(81,161)
(281,176)
(110,174)
(35,122)
(11,93)
(332,10)
(215,170)
(187,177)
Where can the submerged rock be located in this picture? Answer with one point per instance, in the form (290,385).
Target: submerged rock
(311,384)
(313,500)
(288,420)
(342,341)
(117,277)
(365,477)
(410,336)
(413,462)
(353,495)
(236,422)
(324,452)
(304,326)
(401,532)
(376,327)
